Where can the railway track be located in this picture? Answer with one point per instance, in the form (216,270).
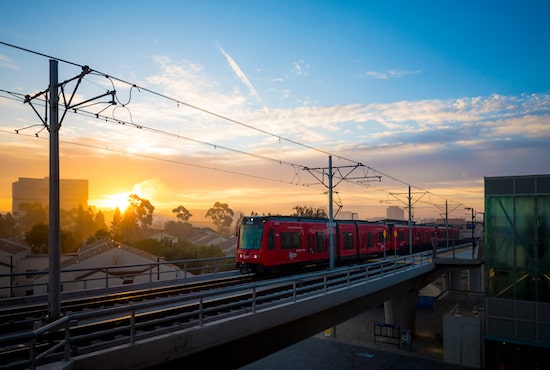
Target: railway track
(97,323)
(19,318)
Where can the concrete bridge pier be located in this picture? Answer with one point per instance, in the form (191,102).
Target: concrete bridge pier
(468,279)
(401,311)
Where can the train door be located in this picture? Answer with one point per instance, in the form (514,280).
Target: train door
(317,242)
(347,243)
(365,239)
(374,239)
(403,238)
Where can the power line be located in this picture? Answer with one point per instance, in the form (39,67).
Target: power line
(206,111)
(138,155)
(209,112)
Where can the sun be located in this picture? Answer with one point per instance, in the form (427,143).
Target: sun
(119,200)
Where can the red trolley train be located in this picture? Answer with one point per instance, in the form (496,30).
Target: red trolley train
(272,243)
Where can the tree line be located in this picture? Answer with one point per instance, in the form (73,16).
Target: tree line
(81,225)
(85,225)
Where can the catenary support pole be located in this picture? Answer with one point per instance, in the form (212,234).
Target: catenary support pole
(54,234)
(410,223)
(447,225)
(331,224)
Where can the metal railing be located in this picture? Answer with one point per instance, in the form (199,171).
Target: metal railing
(198,308)
(103,277)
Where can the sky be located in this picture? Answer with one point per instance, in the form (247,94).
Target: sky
(244,102)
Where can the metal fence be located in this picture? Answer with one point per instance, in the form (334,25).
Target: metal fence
(137,315)
(103,277)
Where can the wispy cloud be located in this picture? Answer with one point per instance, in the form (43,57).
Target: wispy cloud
(235,67)
(385,75)
(417,140)
(300,68)
(8,63)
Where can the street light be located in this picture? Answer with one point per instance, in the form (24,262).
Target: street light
(473,230)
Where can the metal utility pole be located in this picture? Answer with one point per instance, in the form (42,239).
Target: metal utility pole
(54,229)
(409,205)
(54,236)
(447,219)
(473,231)
(447,224)
(410,223)
(331,224)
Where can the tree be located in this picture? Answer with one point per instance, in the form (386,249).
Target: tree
(181,230)
(83,224)
(222,217)
(129,228)
(304,211)
(8,226)
(31,214)
(37,237)
(68,242)
(98,235)
(115,225)
(99,222)
(182,214)
(142,209)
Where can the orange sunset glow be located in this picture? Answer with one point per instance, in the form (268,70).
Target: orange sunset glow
(214,121)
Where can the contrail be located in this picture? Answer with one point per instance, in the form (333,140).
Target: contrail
(235,67)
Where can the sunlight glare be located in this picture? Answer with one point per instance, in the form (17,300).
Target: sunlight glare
(119,200)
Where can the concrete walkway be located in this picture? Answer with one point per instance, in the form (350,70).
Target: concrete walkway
(353,347)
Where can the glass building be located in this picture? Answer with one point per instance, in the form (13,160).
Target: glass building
(517,262)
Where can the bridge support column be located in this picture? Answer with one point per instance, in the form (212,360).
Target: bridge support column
(402,311)
(456,281)
(476,280)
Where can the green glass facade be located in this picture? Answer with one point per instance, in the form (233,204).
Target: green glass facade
(517,237)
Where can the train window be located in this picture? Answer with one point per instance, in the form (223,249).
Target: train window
(320,241)
(401,236)
(348,240)
(381,237)
(271,239)
(250,236)
(291,240)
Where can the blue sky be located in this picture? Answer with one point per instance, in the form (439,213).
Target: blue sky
(429,93)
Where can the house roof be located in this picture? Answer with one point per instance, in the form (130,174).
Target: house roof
(105,245)
(205,236)
(12,247)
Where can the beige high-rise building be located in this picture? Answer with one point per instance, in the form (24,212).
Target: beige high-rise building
(72,193)
(395,213)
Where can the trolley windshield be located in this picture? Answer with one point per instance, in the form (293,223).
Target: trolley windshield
(251,235)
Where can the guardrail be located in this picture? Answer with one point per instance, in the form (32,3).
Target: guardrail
(109,276)
(194,310)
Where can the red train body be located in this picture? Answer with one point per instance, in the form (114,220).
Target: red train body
(272,243)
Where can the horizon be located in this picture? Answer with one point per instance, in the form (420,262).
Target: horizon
(121,201)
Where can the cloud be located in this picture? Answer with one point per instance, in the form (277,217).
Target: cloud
(8,63)
(235,67)
(385,75)
(300,68)
(423,141)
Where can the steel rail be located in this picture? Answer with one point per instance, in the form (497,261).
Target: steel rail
(134,321)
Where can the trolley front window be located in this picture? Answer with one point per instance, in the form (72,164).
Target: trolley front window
(250,236)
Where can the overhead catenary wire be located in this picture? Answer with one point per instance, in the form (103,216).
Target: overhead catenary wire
(209,112)
(144,156)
